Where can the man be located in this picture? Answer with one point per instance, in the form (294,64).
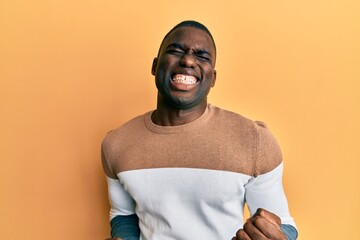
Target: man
(186,169)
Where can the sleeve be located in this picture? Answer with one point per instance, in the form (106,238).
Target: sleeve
(120,201)
(290,231)
(126,227)
(266,191)
(265,188)
(123,220)
(268,153)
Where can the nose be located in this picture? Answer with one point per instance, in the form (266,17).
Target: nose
(187,60)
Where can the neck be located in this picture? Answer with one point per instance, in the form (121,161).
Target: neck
(166,115)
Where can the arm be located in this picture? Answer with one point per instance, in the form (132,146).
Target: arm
(123,220)
(266,192)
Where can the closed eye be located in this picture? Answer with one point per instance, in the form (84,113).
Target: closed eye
(175,51)
(204,57)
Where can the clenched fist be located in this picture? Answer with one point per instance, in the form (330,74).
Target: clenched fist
(263,225)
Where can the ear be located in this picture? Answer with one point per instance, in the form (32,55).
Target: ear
(214,79)
(154,65)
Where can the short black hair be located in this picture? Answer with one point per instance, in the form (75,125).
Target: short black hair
(190,23)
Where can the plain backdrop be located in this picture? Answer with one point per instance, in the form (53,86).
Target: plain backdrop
(70,71)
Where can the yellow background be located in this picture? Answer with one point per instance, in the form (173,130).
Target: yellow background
(72,70)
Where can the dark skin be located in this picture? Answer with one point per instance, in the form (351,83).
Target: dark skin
(261,226)
(190,53)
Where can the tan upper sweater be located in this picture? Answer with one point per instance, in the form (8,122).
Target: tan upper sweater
(218,140)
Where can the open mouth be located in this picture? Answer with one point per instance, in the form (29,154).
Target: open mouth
(184,79)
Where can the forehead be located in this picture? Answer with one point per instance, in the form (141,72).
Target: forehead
(190,37)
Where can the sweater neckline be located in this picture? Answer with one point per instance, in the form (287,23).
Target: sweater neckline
(176,129)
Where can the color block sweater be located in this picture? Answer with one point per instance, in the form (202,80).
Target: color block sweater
(192,181)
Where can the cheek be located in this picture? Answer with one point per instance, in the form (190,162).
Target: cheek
(168,59)
(164,66)
(209,74)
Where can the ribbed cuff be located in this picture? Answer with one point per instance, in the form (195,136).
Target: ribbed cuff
(290,231)
(126,227)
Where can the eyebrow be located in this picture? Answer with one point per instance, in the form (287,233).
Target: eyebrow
(177,45)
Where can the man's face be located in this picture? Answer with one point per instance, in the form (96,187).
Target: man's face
(184,70)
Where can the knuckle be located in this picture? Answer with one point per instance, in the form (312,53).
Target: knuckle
(261,211)
(240,233)
(257,220)
(281,236)
(247,225)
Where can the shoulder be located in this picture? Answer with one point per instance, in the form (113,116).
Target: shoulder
(230,117)
(116,139)
(131,125)
(268,151)
(122,133)
(255,135)
(237,122)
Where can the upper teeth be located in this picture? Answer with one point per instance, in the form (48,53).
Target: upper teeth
(184,79)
